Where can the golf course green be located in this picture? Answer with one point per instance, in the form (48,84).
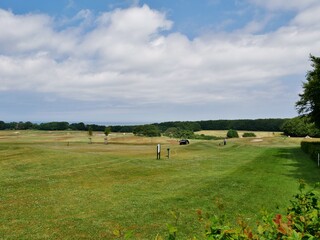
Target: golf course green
(56,185)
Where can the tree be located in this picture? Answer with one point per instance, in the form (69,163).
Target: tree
(2,125)
(309,103)
(300,127)
(171,132)
(107,131)
(90,131)
(52,126)
(78,126)
(147,130)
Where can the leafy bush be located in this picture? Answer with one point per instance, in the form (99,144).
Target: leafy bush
(232,134)
(300,127)
(302,221)
(248,134)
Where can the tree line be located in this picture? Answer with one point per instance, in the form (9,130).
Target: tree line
(295,127)
(270,124)
(156,128)
(50,126)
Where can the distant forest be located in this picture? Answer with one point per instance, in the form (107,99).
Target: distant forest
(271,124)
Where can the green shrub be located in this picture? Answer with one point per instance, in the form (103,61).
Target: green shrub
(232,134)
(300,127)
(302,221)
(206,137)
(248,134)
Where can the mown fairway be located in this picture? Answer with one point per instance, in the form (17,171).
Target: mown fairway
(54,185)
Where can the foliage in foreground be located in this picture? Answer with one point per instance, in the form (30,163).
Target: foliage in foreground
(302,221)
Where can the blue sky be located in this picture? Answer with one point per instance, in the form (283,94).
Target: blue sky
(153,61)
(190,17)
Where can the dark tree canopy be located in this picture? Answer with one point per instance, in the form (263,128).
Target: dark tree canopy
(300,127)
(148,130)
(309,103)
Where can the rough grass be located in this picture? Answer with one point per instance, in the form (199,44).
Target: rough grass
(54,185)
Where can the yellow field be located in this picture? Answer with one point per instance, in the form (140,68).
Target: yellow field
(34,136)
(223,133)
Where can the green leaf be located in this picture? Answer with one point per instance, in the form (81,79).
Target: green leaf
(296,236)
(172,229)
(299,227)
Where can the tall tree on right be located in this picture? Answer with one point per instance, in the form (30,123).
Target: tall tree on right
(309,103)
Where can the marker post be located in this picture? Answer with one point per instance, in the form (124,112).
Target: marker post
(158,151)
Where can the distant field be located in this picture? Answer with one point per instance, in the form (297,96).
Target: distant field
(55,185)
(223,133)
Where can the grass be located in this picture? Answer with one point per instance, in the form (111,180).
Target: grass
(54,185)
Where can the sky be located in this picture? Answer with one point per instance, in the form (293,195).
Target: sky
(154,60)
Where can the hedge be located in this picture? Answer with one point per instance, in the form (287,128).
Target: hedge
(311,148)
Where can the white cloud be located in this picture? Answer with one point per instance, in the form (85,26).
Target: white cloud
(310,18)
(285,4)
(126,58)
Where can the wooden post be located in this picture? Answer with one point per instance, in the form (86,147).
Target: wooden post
(158,151)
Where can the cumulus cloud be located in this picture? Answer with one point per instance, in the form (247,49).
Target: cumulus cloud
(131,56)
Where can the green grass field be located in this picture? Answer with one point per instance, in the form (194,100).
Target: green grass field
(54,185)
